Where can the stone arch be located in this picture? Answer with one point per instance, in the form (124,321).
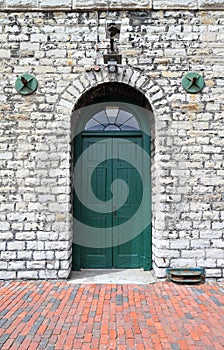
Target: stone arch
(130,76)
(157,100)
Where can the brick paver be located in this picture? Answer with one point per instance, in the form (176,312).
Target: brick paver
(57,315)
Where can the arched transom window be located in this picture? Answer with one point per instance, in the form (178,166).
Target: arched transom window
(112,118)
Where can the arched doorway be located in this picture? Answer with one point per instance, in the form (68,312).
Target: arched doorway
(112,186)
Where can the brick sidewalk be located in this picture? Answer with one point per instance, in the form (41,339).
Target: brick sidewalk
(58,315)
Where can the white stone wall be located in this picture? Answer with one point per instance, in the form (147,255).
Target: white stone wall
(158,48)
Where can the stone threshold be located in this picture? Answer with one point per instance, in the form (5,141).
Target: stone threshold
(112,276)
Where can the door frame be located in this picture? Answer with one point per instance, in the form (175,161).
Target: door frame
(147,235)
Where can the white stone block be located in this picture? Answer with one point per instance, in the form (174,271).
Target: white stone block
(212,149)
(4,226)
(27,274)
(60,189)
(166,253)
(194,254)
(29,46)
(210,234)
(47,236)
(8,255)
(206,263)
(23,173)
(2,245)
(179,244)
(16,245)
(7,275)
(63,234)
(63,4)
(112,4)
(52,265)
(21,217)
(26,254)
(182,263)
(16,265)
(35,245)
(57,245)
(27,236)
(6,206)
(5,155)
(39,255)
(64,265)
(162,262)
(175,4)
(218,243)
(161,243)
(213,273)
(46,198)
(214,253)
(38,38)
(220,263)
(63,273)
(218,225)
(62,255)
(4,53)
(60,227)
(34,206)
(4,265)
(159,272)
(56,53)
(200,243)
(48,274)
(36,265)
(58,207)
(211,4)
(21,4)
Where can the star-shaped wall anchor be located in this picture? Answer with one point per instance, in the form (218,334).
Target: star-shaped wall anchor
(193,82)
(26,84)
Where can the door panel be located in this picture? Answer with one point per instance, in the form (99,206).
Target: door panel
(131,254)
(127,255)
(100,184)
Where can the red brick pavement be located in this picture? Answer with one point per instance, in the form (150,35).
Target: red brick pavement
(57,315)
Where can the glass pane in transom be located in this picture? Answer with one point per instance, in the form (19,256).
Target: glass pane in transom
(112,113)
(91,124)
(112,127)
(101,117)
(123,117)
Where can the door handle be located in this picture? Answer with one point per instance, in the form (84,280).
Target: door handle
(114,211)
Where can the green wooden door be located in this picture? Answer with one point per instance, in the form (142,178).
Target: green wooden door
(136,252)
